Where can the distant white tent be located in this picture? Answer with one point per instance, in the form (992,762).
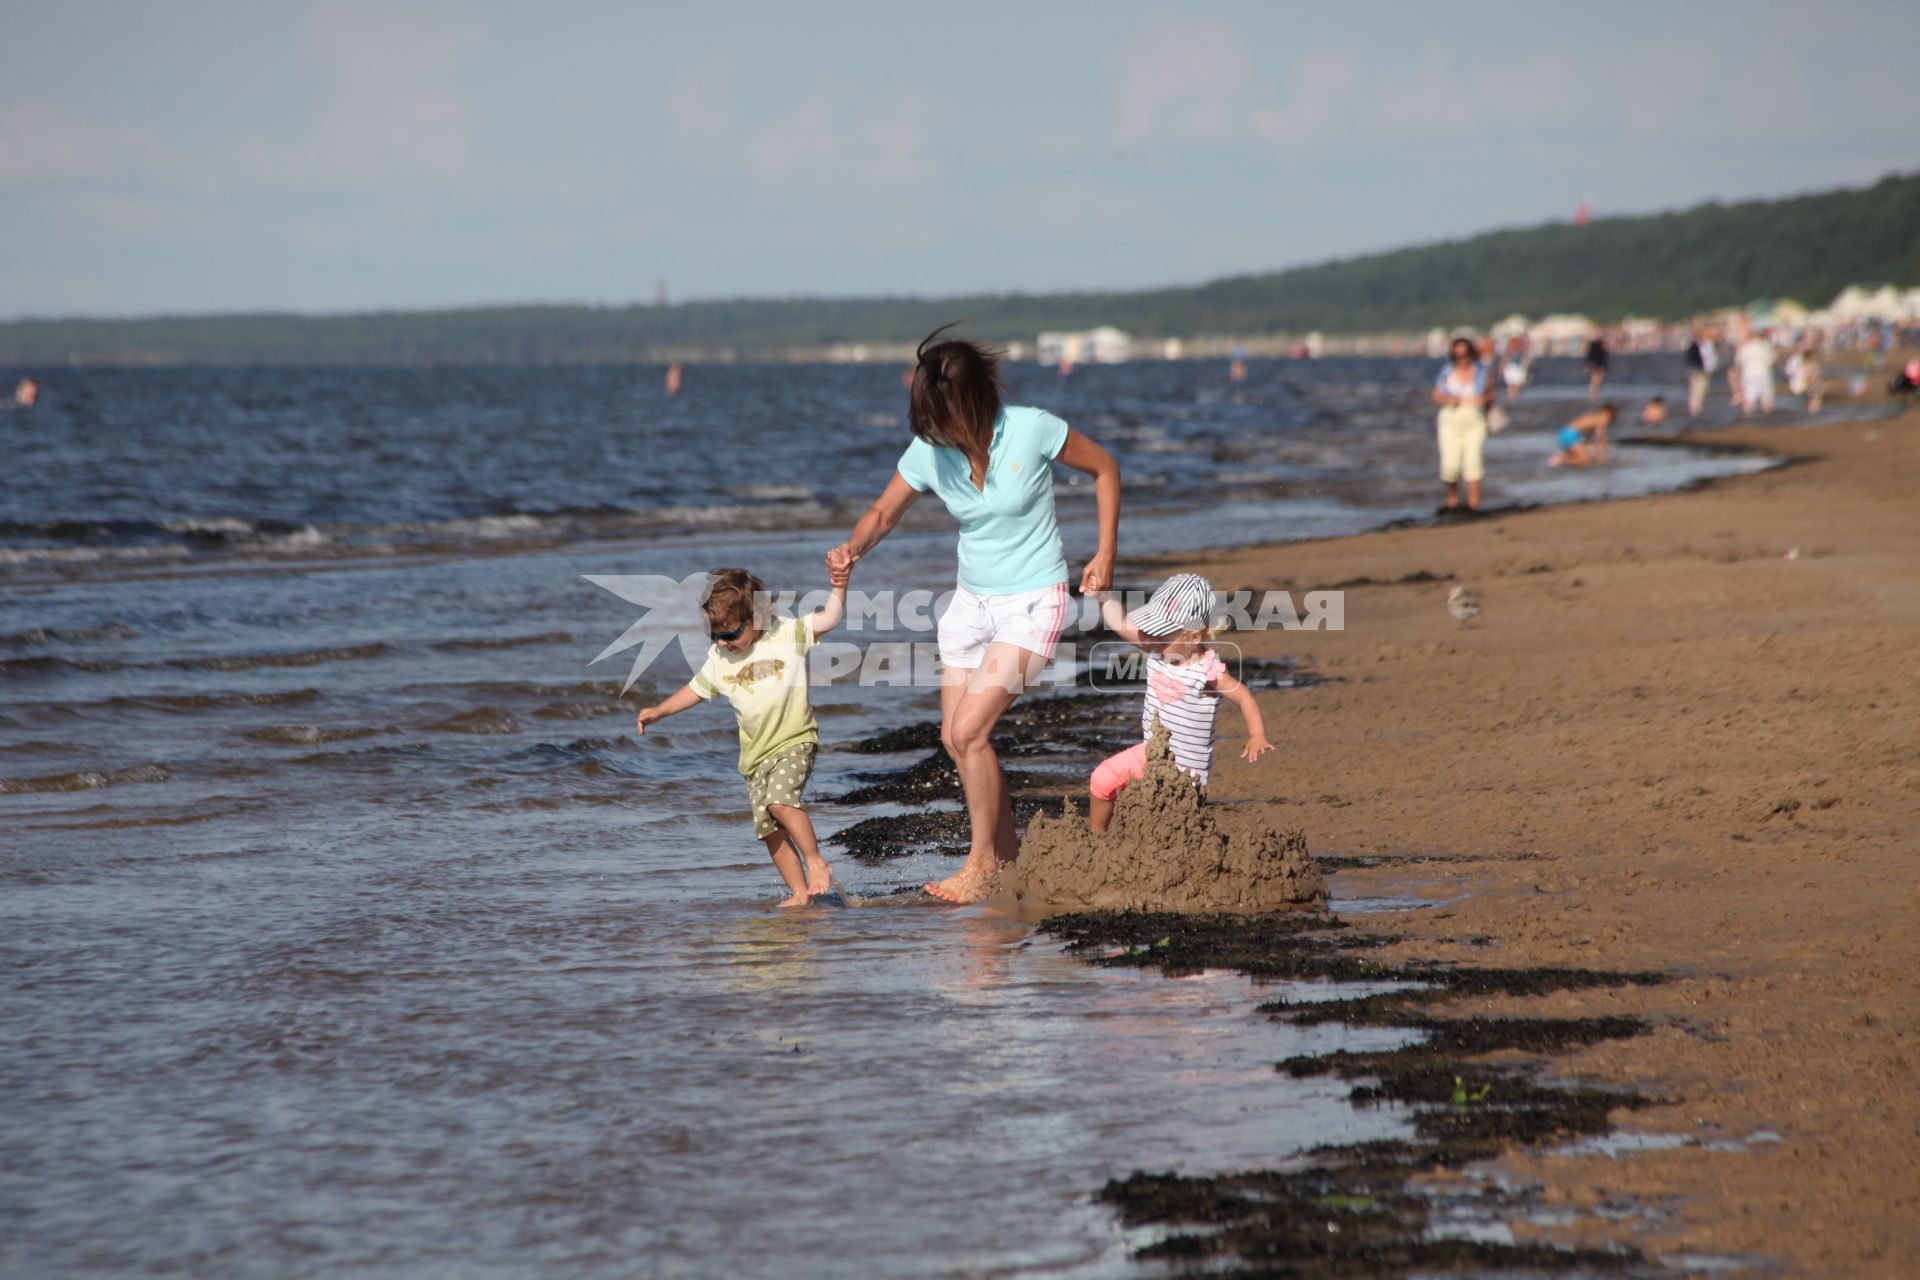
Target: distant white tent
(1858,302)
(1564,334)
(1104,345)
(1514,326)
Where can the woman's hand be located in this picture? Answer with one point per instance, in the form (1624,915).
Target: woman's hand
(1098,575)
(1257,746)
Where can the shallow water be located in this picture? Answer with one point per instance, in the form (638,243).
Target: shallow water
(346,927)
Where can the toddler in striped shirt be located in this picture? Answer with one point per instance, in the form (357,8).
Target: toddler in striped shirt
(1185,682)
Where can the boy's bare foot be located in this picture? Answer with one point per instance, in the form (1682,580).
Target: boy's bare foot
(797,900)
(968,884)
(819,876)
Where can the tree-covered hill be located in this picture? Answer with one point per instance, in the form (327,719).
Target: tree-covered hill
(1666,265)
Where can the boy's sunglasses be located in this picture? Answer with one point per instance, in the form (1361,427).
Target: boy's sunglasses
(727,635)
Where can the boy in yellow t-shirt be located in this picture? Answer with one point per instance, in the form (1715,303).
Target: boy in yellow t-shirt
(759,663)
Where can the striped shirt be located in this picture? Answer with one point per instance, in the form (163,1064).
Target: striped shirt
(1178,694)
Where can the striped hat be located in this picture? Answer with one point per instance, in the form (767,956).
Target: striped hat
(1184,602)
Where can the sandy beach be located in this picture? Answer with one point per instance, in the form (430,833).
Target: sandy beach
(1680,737)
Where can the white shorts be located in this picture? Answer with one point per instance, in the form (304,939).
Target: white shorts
(1030,619)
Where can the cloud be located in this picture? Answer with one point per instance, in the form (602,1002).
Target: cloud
(885,148)
(1336,98)
(1183,80)
(44,144)
(701,103)
(391,109)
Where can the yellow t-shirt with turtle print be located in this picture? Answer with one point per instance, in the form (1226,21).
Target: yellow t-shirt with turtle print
(767,686)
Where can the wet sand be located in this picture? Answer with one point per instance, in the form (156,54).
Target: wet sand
(1680,737)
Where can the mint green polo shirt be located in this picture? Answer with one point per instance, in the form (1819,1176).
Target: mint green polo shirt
(1009,539)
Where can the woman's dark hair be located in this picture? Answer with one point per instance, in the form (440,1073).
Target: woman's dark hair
(1454,346)
(955,398)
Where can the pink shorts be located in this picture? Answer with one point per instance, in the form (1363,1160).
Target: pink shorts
(1111,776)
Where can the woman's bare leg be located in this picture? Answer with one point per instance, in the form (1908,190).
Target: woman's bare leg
(969,713)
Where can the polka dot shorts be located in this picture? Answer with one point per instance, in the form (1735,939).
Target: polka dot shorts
(780,779)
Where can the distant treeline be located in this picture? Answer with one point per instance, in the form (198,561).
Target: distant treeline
(1668,266)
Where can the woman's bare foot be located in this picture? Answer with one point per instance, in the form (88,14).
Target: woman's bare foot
(968,884)
(819,876)
(797,900)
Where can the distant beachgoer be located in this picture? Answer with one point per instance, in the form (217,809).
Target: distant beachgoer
(993,467)
(1596,366)
(1755,361)
(1584,440)
(758,662)
(1463,390)
(1237,366)
(26,394)
(673,379)
(1809,376)
(1185,682)
(1907,381)
(1702,359)
(1514,369)
(1654,413)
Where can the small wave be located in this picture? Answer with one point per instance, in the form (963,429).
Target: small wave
(308,734)
(376,756)
(87,555)
(771,492)
(479,689)
(125,824)
(37,747)
(84,780)
(484,720)
(46,665)
(585,710)
(39,637)
(303,658)
(601,744)
(207,701)
(505,642)
(276,698)
(206,533)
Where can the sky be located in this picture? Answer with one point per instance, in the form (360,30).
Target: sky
(340,155)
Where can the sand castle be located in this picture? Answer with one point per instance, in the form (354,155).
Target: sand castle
(1166,851)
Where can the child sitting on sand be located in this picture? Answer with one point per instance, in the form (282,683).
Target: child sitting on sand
(1185,680)
(759,662)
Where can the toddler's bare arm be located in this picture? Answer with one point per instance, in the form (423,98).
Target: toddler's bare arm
(1115,617)
(1242,697)
(679,700)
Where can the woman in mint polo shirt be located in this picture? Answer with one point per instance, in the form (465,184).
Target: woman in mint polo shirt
(993,467)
